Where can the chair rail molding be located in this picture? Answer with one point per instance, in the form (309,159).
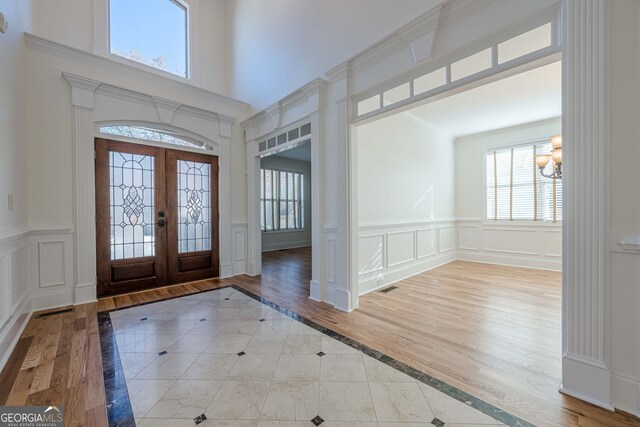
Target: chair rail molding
(586,122)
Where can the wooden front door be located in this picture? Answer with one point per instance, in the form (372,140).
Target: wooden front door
(156,216)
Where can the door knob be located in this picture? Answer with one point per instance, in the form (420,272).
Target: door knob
(161,223)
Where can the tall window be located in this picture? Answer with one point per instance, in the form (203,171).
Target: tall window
(515,188)
(282,200)
(152,32)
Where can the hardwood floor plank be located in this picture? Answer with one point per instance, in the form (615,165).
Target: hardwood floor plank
(12,368)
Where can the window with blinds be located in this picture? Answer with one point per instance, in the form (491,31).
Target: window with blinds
(515,188)
(282,200)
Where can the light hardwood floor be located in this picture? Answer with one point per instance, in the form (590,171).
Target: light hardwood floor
(489,330)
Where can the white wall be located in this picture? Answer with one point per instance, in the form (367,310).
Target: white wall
(14,253)
(519,243)
(406,203)
(71,22)
(623,274)
(290,42)
(13,161)
(405,171)
(275,240)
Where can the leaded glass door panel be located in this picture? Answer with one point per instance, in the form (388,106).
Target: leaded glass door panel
(130,206)
(157,216)
(192,182)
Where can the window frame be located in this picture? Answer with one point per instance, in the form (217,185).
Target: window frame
(102,40)
(486,148)
(303,203)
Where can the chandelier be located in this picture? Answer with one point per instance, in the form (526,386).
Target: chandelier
(542,160)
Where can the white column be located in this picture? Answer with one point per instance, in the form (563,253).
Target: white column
(82,94)
(586,137)
(226,123)
(339,231)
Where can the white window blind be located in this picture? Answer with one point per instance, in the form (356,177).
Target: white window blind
(282,200)
(515,188)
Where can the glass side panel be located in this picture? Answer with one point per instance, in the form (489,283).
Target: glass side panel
(396,94)
(430,81)
(369,105)
(194,206)
(132,205)
(471,64)
(523,44)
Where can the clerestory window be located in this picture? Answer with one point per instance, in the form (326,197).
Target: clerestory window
(151,32)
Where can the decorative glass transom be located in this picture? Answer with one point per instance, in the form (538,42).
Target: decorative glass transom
(132,219)
(194,207)
(139,132)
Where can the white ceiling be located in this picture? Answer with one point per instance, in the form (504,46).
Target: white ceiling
(301,152)
(527,97)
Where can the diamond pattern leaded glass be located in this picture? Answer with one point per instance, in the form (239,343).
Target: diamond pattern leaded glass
(131,205)
(194,206)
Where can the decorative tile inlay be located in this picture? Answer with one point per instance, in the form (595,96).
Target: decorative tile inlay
(251,374)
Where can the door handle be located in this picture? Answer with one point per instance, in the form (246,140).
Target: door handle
(161,223)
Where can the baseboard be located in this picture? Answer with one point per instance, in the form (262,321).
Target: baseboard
(625,393)
(315,291)
(53,299)
(13,330)
(341,299)
(511,260)
(371,282)
(252,269)
(590,380)
(86,293)
(239,267)
(285,245)
(226,271)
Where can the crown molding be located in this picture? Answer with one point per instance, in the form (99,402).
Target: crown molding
(234,106)
(276,111)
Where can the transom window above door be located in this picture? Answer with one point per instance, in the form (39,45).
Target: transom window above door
(149,134)
(151,32)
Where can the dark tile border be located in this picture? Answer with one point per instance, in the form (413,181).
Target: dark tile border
(119,412)
(119,406)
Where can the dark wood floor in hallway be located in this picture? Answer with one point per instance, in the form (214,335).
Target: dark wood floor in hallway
(489,330)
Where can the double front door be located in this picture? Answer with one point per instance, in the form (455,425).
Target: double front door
(157,216)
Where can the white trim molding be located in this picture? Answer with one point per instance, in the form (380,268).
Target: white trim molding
(97,102)
(586,134)
(301,107)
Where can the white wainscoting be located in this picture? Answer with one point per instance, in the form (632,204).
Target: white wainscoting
(52,277)
(394,251)
(15,301)
(239,248)
(517,244)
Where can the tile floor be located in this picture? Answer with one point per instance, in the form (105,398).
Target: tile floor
(238,362)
